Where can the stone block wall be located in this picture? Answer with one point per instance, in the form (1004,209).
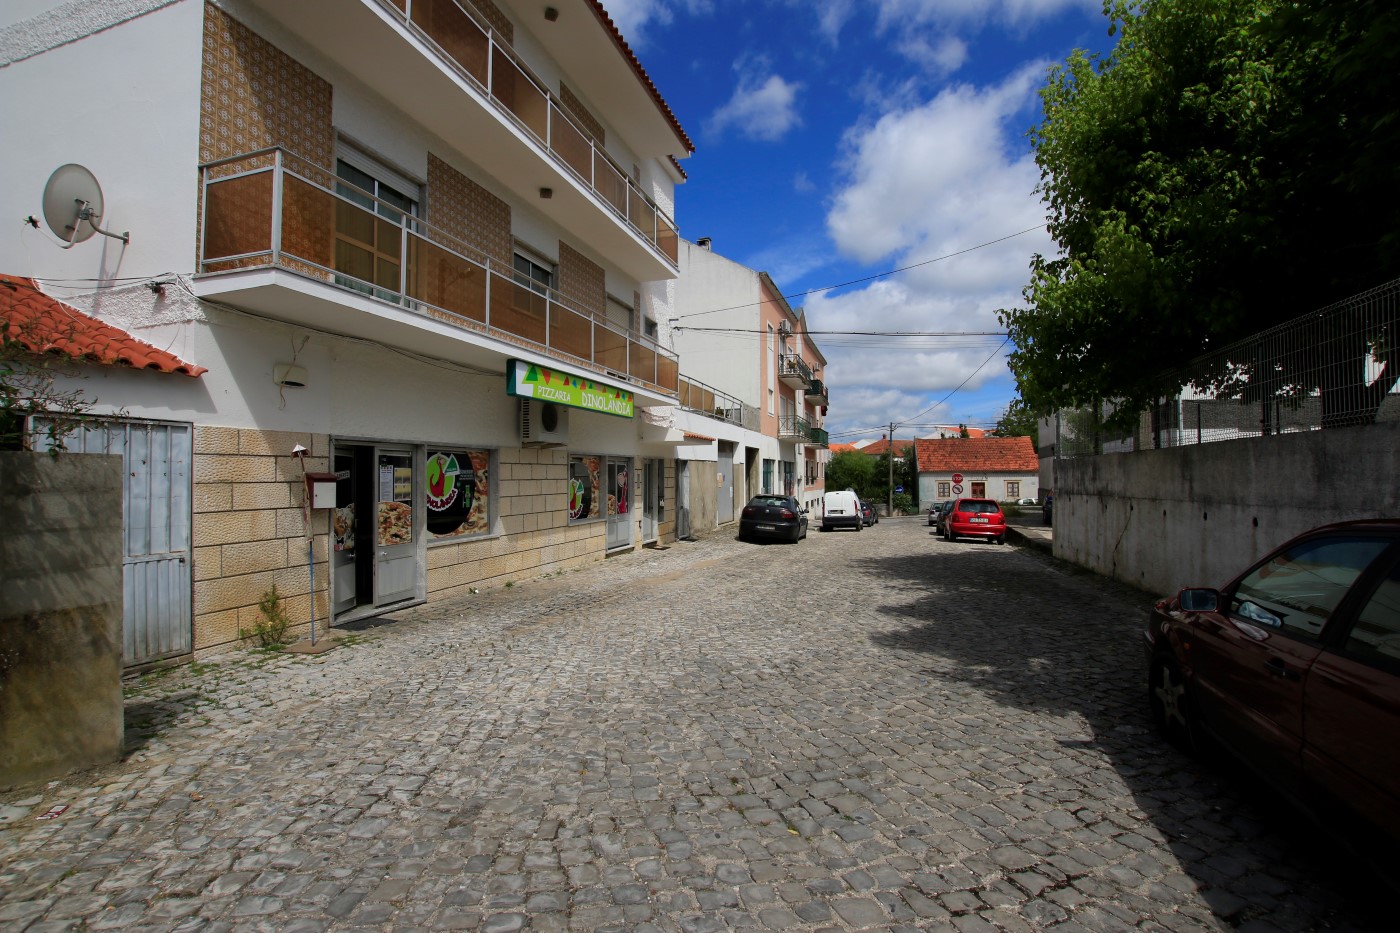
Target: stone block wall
(249,532)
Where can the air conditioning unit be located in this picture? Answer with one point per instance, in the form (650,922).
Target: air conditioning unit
(784,329)
(543,424)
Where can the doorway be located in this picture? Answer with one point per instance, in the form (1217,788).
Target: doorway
(375,528)
(619,476)
(653,504)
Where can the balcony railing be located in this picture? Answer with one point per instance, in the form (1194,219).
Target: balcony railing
(791,428)
(698,397)
(794,371)
(819,437)
(270,209)
(817,392)
(468,45)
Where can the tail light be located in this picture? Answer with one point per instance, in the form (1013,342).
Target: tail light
(787,513)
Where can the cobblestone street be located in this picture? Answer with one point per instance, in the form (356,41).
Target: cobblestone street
(863,731)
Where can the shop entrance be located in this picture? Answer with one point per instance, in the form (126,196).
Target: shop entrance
(619,489)
(374,528)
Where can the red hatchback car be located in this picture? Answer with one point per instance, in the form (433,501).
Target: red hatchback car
(1294,666)
(974,518)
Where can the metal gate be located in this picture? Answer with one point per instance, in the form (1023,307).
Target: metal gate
(156,526)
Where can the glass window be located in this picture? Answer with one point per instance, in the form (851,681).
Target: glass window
(1376,634)
(945,490)
(395,499)
(458,493)
(789,477)
(585,474)
(768,476)
(533,274)
(619,499)
(1013,489)
(1297,589)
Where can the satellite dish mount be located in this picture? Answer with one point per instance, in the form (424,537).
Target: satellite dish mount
(73,206)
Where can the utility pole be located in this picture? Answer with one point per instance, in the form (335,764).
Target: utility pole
(891,489)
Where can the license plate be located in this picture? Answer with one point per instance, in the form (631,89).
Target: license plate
(979,521)
(766,528)
(838,511)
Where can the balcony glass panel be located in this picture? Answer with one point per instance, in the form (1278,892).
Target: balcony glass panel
(572,146)
(518,309)
(441,278)
(667,239)
(238,216)
(610,349)
(308,214)
(570,332)
(612,185)
(668,373)
(518,94)
(643,363)
(459,36)
(642,214)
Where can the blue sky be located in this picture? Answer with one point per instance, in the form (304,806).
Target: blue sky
(839,139)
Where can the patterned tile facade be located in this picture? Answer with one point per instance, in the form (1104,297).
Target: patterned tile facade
(502,26)
(468,212)
(254,95)
(579,112)
(581,281)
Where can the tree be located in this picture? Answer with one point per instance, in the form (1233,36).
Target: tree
(1228,166)
(29,385)
(1018,421)
(852,469)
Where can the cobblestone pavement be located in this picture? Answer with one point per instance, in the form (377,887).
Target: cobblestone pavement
(875,731)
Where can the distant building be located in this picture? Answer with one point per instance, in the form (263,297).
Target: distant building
(1002,468)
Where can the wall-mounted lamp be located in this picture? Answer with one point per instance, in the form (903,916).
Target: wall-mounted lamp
(289,375)
(551,14)
(546,193)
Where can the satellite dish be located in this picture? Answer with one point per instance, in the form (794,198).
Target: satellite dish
(73,205)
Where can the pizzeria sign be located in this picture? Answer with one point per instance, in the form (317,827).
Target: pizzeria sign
(531,380)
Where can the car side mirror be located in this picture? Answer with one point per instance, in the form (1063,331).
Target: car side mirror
(1198,599)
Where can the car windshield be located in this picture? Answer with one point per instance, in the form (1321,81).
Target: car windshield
(779,501)
(978,505)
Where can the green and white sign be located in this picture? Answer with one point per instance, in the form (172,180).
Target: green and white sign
(531,380)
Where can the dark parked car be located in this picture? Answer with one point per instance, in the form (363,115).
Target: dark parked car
(868,515)
(974,518)
(1294,666)
(778,517)
(936,511)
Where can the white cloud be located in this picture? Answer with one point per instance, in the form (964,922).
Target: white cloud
(763,109)
(939,58)
(633,16)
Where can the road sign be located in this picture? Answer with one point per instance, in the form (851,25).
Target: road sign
(957,478)
(957,489)
(899,489)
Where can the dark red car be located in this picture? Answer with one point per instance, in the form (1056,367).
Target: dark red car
(1294,666)
(974,518)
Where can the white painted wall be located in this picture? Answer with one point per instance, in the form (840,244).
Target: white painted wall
(713,291)
(132,119)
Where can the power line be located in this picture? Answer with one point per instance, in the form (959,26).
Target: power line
(868,278)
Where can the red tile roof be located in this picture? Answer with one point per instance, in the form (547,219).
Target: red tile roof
(977,455)
(876,448)
(842,448)
(46,325)
(642,75)
(692,436)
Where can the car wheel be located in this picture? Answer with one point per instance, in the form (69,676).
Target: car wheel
(860,526)
(1001,539)
(1170,704)
(825,527)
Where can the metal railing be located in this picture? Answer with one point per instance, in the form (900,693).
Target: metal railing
(272,209)
(819,437)
(790,365)
(817,392)
(474,51)
(793,428)
(1333,368)
(698,397)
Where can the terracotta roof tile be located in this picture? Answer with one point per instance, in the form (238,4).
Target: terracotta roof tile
(45,325)
(692,436)
(977,455)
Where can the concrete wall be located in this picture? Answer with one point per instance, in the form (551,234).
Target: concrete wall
(1164,519)
(60,615)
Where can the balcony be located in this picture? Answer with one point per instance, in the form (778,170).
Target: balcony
(793,371)
(282,238)
(795,429)
(817,393)
(441,64)
(698,397)
(818,437)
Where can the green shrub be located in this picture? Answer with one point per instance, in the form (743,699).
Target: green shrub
(271,629)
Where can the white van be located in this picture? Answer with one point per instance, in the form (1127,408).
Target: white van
(841,509)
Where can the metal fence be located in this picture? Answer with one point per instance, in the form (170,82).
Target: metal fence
(1333,368)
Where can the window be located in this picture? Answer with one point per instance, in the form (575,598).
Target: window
(649,327)
(1297,589)
(768,476)
(532,271)
(584,476)
(369,221)
(619,314)
(1376,634)
(945,489)
(790,477)
(1013,489)
(979,490)
(458,492)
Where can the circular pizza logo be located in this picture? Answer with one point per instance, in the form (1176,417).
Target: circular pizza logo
(443,487)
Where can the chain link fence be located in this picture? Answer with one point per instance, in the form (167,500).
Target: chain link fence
(1336,367)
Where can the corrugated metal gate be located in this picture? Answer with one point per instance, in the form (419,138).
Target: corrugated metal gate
(156,524)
